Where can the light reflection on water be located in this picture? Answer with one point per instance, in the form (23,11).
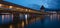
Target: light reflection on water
(6,18)
(49,21)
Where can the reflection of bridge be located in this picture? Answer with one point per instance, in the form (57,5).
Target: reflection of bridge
(7,8)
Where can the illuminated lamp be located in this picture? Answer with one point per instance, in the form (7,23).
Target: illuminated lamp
(29,10)
(0,5)
(21,9)
(26,10)
(10,6)
(17,8)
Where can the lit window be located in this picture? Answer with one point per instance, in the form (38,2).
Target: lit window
(29,10)
(22,9)
(17,8)
(0,5)
(26,9)
(10,6)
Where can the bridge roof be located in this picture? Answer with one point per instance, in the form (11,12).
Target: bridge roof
(12,4)
(24,10)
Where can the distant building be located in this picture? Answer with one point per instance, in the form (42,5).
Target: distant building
(42,9)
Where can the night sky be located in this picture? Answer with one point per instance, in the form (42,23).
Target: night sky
(36,4)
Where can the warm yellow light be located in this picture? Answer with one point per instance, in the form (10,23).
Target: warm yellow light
(21,9)
(10,6)
(22,24)
(29,10)
(26,21)
(10,26)
(17,8)
(0,5)
(26,9)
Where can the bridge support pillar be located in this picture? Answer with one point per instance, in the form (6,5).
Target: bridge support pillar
(16,19)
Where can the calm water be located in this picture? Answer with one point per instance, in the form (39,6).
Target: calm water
(47,23)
